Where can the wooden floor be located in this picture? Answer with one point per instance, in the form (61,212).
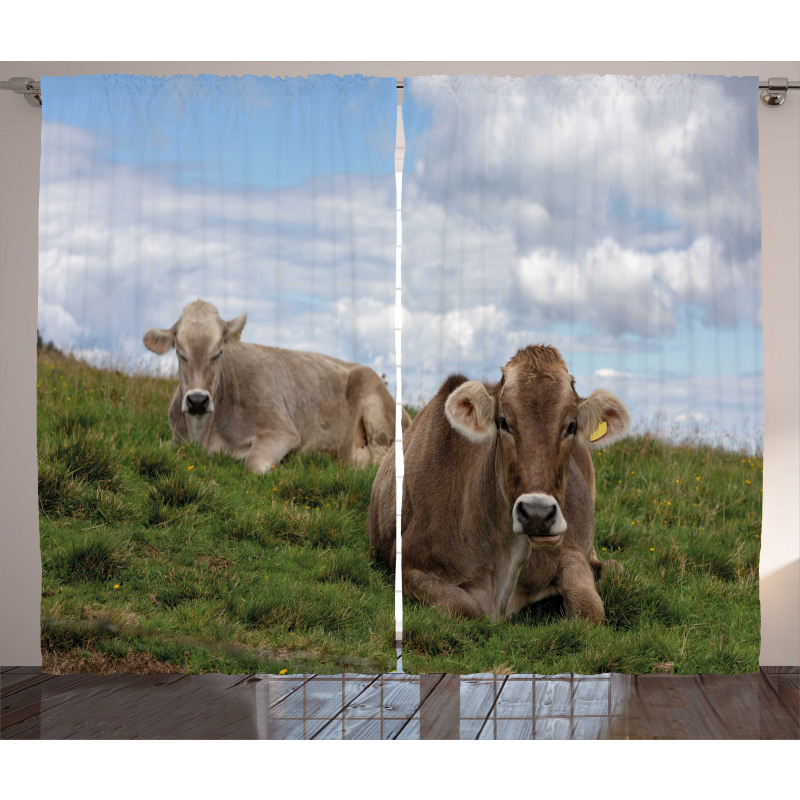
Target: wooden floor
(397,706)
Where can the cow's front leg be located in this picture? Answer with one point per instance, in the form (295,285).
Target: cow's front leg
(268,449)
(600,567)
(448,598)
(576,584)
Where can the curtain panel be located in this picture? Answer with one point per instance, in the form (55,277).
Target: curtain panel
(216,336)
(580,476)
(581,256)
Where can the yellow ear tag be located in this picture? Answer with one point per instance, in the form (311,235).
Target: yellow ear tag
(600,432)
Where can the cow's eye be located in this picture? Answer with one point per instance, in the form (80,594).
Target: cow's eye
(503,422)
(214,358)
(571,428)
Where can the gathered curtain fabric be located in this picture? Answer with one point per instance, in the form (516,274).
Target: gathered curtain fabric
(606,228)
(266,197)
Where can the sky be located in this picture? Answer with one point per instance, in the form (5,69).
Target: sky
(617,219)
(274,197)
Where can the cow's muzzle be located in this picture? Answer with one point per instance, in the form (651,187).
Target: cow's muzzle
(197,402)
(539,517)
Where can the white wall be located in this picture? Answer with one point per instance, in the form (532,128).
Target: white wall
(779,134)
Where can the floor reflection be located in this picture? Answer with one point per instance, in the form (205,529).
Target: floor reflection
(397,706)
(440,706)
(339,707)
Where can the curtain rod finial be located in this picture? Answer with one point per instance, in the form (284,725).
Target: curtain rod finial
(31,89)
(774,94)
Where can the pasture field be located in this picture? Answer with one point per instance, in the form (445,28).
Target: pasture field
(685,523)
(164,559)
(158,558)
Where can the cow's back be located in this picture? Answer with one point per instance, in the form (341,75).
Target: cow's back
(270,386)
(383,504)
(382,510)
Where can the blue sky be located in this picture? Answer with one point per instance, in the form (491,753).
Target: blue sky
(233,132)
(617,219)
(264,195)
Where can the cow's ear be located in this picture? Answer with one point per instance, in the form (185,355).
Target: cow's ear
(234,328)
(158,340)
(470,409)
(602,407)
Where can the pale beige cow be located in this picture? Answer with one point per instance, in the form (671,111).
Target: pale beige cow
(259,403)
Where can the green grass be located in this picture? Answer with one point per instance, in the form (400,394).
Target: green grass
(685,523)
(157,557)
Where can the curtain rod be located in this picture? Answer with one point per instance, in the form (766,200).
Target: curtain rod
(773,91)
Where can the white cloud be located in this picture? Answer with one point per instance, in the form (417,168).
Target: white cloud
(612,373)
(590,148)
(693,416)
(55,321)
(124,248)
(622,290)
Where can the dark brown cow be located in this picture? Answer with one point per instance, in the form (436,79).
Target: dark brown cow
(498,494)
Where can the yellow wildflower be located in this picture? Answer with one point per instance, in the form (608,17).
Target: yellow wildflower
(283,672)
(651,550)
(191,466)
(603,549)
(116,586)
(747,481)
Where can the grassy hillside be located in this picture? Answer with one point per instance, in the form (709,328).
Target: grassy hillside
(159,558)
(685,523)
(162,558)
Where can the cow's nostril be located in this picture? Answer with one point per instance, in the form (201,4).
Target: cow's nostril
(537,516)
(197,402)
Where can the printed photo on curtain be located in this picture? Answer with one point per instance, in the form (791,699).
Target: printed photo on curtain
(583,365)
(215,372)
